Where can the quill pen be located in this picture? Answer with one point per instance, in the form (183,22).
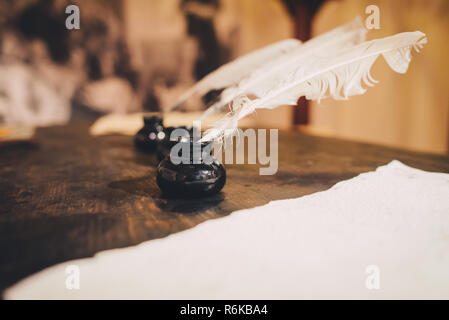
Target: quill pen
(341,75)
(263,78)
(232,72)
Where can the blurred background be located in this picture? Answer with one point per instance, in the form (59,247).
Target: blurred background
(139,55)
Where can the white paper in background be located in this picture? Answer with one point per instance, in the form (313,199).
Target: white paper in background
(316,246)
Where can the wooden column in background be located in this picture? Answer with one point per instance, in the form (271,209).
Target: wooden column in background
(302,12)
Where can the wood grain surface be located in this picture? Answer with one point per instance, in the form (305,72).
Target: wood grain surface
(71,195)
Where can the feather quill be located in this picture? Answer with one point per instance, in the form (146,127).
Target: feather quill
(341,75)
(263,78)
(232,72)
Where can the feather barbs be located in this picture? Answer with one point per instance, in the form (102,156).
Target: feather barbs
(341,75)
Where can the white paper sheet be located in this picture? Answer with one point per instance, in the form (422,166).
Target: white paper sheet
(316,246)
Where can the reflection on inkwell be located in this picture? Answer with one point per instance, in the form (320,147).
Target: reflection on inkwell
(190,170)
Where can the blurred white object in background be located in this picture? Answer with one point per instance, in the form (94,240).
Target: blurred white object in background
(112,94)
(26,98)
(34,90)
(129,124)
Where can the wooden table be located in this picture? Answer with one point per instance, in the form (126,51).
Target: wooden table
(73,195)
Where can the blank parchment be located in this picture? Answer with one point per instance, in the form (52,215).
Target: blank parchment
(382,234)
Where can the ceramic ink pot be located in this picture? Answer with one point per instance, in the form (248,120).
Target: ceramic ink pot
(191,179)
(147,138)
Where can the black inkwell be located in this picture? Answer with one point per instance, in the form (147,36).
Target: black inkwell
(190,170)
(164,146)
(147,138)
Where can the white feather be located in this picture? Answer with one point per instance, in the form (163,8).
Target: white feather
(341,75)
(262,79)
(232,72)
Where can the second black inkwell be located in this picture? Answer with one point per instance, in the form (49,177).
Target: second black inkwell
(147,139)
